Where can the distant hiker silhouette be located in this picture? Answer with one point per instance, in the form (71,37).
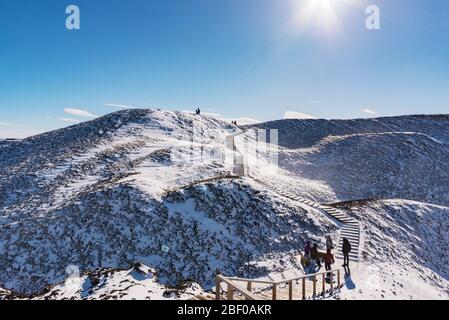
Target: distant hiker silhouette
(198,111)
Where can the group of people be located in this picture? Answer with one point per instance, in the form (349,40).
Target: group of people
(312,256)
(198,112)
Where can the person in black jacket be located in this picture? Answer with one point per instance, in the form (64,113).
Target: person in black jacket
(346,248)
(314,255)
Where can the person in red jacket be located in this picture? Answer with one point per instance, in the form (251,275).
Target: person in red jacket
(328,260)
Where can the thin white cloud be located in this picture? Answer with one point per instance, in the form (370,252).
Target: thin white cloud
(213,115)
(315,102)
(369,111)
(7,124)
(297,115)
(79,112)
(120,106)
(68,120)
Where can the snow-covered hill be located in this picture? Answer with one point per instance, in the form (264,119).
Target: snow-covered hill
(406,250)
(398,157)
(304,133)
(131,187)
(154,187)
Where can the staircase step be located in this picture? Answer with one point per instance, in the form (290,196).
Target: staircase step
(335,214)
(350,228)
(342,218)
(349,234)
(351,238)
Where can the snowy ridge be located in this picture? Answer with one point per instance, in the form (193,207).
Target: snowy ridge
(110,193)
(406,250)
(364,166)
(305,133)
(132,187)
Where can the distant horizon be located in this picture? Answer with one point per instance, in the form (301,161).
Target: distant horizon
(229,120)
(256,60)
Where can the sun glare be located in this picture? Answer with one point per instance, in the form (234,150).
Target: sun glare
(318,14)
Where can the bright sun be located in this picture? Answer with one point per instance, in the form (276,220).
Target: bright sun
(319,14)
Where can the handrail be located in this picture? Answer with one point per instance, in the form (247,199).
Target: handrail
(282,281)
(249,296)
(231,287)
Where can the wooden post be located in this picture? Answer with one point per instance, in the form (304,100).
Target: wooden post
(217,288)
(332,280)
(274,291)
(303,288)
(290,290)
(324,284)
(248,287)
(314,285)
(338,278)
(230,295)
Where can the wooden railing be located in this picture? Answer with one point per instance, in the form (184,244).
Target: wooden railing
(233,287)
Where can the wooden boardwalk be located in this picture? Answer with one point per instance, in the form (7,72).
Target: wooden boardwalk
(301,288)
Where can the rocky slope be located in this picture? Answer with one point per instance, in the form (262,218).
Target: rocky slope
(153,187)
(131,187)
(386,158)
(405,250)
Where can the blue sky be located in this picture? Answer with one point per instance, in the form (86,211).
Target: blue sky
(236,58)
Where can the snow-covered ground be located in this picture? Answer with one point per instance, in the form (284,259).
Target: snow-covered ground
(153,187)
(406,251)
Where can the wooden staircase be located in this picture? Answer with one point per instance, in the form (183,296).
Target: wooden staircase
(350,227)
